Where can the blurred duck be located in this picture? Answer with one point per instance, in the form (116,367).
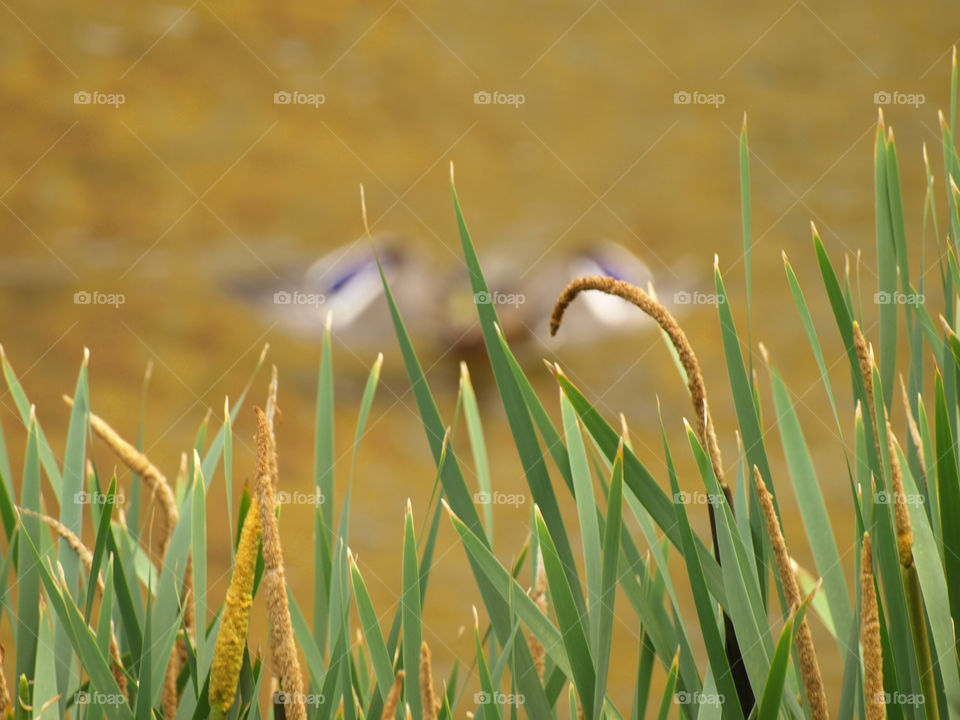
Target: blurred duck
(438,307)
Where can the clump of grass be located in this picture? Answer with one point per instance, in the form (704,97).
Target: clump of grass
(147,654)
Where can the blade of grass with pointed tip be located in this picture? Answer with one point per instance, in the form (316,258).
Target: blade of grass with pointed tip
(47,458)
(228,469)
(573,632)
(83,640)
(706,611)
(507,587)
(460,500)
(28,575)
(642,484)
(641,692)
(587,514)
(521,426)
(551,437)
(669,696)
(379,657)
(489,710)
(886,268)
(323,483)
(928,561)
(769,705)
(745,222)
(807,321)
(608,581)
(813,510)
(410,601)
(744,606)
(212,457)
(948,484)
(478,446)
(71,515)
(198,546)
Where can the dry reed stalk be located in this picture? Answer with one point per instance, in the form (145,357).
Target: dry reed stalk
(393,699)
(232,635)
(650,306)
(86,558)
(282,645)
(876,708)
(704,422)
(806,652)
(428,696)
(140,464)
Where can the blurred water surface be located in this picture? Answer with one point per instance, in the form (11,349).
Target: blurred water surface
(186,173)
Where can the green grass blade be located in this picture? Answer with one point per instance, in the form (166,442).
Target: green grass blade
(323,483)
(669,695)
(641,483)
(28,574)
(706,610)
(568,617)
(412,631)
(478,446)
(228,468)
(198,546)
(886,268)
(948,484)
(745,222)
(47,458)
(71,515)
(521,426)
(587,514)
(379,656)
(813,509)
(608,582)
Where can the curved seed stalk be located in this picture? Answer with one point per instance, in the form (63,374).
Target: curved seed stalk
(140,464)
(704,423)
